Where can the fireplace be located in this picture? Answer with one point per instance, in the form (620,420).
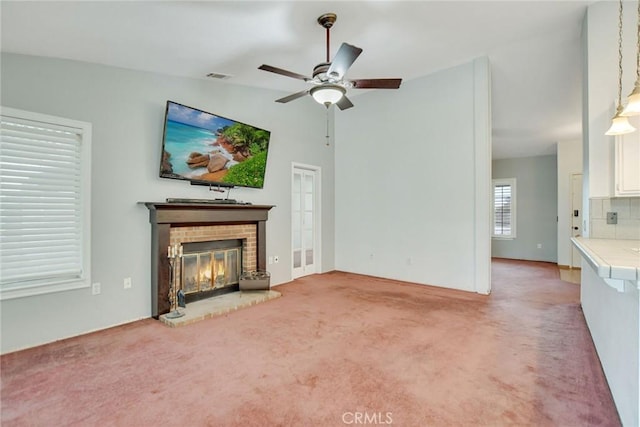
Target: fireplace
(199,224)
(210,268)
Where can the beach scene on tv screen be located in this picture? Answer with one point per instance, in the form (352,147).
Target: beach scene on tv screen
(205,147)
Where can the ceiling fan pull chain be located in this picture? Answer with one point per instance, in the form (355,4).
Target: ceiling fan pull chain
(327,136)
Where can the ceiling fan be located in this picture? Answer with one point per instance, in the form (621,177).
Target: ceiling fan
(329,82)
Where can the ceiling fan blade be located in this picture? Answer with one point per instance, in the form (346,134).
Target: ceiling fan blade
(376,83)
(346,56)
(344,103)
(282,72)
(293,96)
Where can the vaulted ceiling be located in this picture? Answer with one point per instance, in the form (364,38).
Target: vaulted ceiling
(533,46)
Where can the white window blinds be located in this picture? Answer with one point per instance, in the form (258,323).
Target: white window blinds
(42,210)
(504,208)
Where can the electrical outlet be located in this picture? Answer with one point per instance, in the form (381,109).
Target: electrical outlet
(612,217)
(539,245)
(276,259)
(95,288)
(270,260)
(127,282)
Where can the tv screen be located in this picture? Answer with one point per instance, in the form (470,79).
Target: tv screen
(207,149)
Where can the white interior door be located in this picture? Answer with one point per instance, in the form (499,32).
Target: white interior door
(305,223)
(576,215)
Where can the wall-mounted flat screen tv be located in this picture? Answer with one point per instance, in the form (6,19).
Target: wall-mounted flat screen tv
(211,150)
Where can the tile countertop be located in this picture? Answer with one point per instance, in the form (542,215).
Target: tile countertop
(611,259)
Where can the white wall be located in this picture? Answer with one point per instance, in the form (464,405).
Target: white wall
(569,163)
(409,165)
(536,208)
(126,109)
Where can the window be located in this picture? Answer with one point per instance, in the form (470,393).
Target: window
(504,208)
(44,203)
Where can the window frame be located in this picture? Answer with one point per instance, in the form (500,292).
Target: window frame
(500,182)
(50,285)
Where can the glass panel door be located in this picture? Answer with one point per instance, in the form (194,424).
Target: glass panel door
(307,219)
(304,221)
(296,220)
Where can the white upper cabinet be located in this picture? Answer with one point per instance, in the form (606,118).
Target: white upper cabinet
(627,162)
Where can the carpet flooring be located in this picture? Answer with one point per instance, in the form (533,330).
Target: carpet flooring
(336,349)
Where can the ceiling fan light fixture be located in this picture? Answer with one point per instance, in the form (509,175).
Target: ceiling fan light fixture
(620,125)
(327,94)
(329,83)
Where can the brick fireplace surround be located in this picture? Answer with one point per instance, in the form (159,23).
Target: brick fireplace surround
(173,223)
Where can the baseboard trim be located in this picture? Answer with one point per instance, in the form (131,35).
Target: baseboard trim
(567,267)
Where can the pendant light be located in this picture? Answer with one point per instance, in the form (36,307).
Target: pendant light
(620,124)
(633,101)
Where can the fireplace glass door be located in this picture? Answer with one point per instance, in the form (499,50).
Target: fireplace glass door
(205,271)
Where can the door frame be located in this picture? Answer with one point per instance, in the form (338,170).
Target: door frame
(317,223)
(574,251)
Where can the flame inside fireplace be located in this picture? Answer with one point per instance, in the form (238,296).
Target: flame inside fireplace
(205,276)
(219,269)
(210,269)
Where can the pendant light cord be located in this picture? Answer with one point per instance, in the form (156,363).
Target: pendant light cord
(638,46)
(620,56)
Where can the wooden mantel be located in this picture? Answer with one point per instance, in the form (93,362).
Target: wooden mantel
(163,216)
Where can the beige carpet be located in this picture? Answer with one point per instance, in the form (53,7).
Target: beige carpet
(334,349)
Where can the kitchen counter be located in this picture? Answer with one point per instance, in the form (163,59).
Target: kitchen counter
(611,259)
(610,301)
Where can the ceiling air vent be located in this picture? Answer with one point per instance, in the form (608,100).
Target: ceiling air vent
(218,76)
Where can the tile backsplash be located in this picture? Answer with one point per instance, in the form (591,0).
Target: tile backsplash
(628,209)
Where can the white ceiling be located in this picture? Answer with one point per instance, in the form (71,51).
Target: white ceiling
(533,46)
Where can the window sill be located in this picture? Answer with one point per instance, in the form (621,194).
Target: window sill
(503,238)
(21,292)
